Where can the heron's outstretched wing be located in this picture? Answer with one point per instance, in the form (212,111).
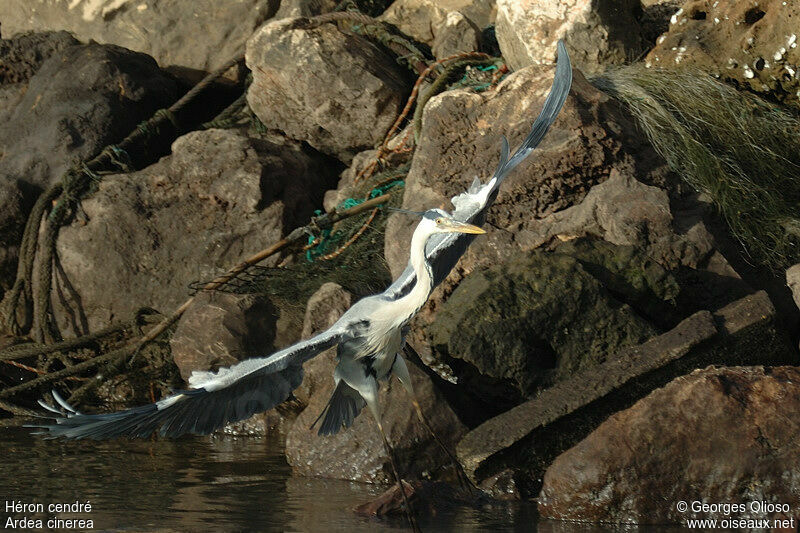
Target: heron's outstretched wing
(214,399)
(444,250)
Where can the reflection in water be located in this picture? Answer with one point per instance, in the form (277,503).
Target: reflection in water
(203,484)
(197,483)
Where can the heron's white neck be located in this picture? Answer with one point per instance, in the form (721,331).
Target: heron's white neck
(388,320)
(407,306)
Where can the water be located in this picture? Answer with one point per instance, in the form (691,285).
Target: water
(201,483)
(210,484)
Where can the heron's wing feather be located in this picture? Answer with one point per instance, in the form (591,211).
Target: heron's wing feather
(443,250)
(343,407)
(215,399)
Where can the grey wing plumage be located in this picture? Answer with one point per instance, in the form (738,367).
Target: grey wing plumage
(444,250)
(217,398)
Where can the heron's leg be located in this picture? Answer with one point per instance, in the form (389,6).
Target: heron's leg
(371,397)
(400,370)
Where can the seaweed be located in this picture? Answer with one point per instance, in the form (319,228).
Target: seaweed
(741,151)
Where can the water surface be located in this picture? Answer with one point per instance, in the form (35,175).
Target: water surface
(211,484)
(201,483)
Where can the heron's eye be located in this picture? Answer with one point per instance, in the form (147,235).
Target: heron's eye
(438,221)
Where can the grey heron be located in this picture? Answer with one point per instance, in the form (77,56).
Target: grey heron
(369,335)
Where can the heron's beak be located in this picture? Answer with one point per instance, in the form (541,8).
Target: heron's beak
(461,227)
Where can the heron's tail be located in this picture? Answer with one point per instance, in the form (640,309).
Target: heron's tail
(342,409)
(562,81)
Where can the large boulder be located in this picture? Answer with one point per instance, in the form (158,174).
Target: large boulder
(598,33)
(429,21)
(753,44)
(719,435)
(298,86)
(532,320)
(357,453)
(541,316)
(61,101)
(593,140)
(196,34)
(220,197)
(219,329)
(82,98)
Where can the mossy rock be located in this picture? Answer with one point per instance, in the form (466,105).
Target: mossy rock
(631,277)
(541,316)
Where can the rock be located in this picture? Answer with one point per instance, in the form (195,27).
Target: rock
(424,20)
(13,210)
(357,453)
(61,101)
(598,33)
(304,8)
(81,99)
(501,432)
(527,438)
(204,41)
(501,486)
(715,435)
(793,281)
(626,212)
(751,44)
(220,329)
(538,317)
(23,55)
(533,320)
(456,35)
(220,197)
(298,86)
(592,140)
(656,15)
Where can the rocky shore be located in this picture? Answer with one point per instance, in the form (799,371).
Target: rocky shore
(624,337)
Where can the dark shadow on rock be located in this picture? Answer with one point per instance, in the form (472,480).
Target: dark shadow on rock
(759,277)
(70,300)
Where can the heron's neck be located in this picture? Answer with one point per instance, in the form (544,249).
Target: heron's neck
(408,305)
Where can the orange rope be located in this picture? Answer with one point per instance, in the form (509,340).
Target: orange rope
(25,367)
(367,171)
(352,239)
(37,371)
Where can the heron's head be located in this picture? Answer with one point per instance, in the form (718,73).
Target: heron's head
(441,222)
(438,221)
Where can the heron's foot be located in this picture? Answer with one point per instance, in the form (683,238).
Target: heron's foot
(391,501)
(412,520)
(463,479)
